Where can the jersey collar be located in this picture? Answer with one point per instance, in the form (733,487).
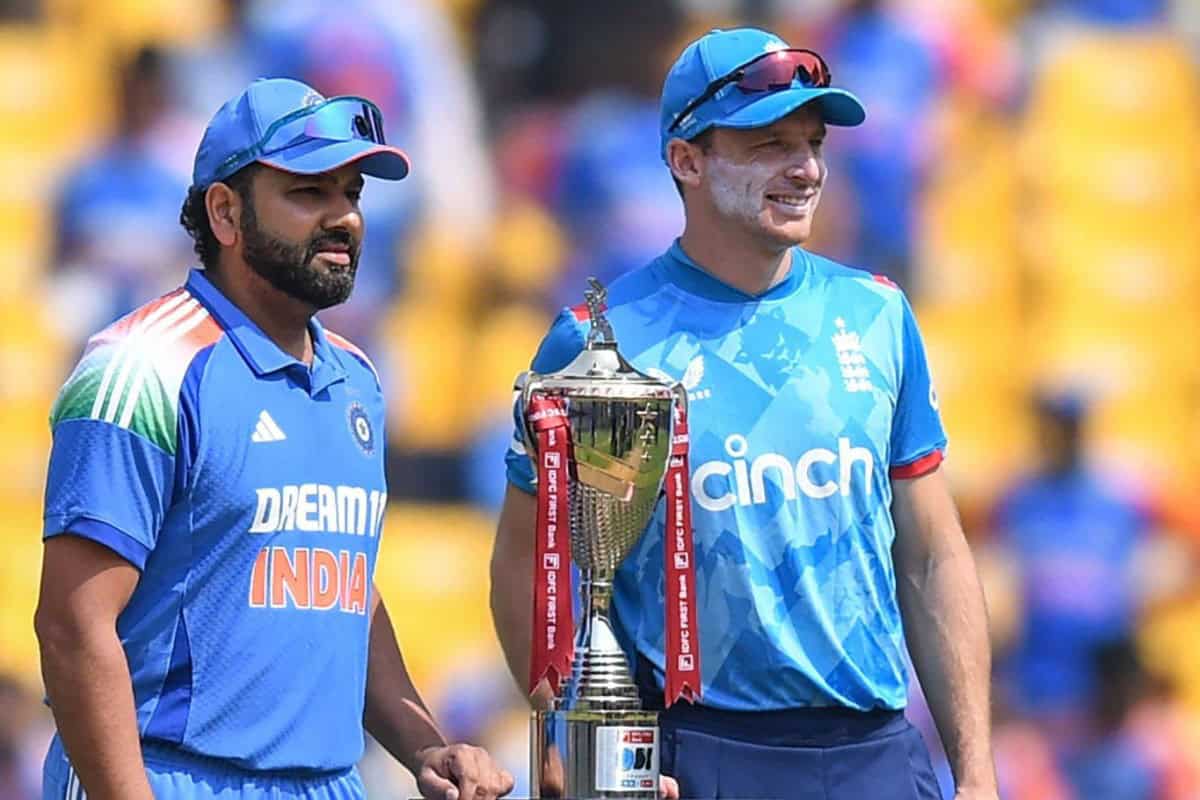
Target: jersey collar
(694,279)
(260,353)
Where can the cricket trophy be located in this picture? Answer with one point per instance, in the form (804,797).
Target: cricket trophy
(606,442)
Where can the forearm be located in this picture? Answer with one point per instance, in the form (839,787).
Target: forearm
(395,714)
(512,588)
(945,621)
(91,695)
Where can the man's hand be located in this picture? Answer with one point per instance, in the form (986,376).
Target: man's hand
(461,772)
(977,794)
(668,788)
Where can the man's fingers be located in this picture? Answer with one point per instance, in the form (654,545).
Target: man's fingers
(435,787)
(506,782)
(464,766)
(668,787)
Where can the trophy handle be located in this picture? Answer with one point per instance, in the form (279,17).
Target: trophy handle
(524,387)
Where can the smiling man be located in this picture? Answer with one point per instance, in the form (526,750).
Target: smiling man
(207,619)
(826,539)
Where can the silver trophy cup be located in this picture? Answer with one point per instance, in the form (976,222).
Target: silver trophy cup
(597,741)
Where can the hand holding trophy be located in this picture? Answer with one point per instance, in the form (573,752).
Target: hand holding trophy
(607,440)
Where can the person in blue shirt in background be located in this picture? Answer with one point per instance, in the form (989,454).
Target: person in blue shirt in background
(1073,535)
(825,533)
(207,619)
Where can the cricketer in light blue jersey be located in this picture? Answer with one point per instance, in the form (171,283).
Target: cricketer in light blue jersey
(803,404)
(827,546)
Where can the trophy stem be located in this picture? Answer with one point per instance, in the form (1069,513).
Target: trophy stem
(600,677)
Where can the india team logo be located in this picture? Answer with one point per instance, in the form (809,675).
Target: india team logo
(360,428)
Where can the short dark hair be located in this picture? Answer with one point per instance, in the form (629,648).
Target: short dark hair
(703,140)
(194,214)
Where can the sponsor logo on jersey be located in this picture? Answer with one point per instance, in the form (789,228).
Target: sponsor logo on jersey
(719,485)
(319,508)
(313,578)
(309,579)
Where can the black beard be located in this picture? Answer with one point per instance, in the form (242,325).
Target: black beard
(287,266)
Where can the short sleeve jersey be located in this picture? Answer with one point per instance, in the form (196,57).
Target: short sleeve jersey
(804,403)
(248,488)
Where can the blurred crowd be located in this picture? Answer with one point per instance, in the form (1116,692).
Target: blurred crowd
(1029,174)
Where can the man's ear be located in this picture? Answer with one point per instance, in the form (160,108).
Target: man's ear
(686,162)
(224,207)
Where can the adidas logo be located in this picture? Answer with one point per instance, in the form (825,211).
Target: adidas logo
(267,430)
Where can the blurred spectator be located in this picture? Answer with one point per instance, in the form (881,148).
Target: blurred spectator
(1072,537)
(614,193)
(1112,762)
(404,57)
(118,240)
(898,77)
(24,737)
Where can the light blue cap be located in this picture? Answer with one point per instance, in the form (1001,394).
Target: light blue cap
(718,53)
(288,125)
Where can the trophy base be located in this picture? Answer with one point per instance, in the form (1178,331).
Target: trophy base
(585,755)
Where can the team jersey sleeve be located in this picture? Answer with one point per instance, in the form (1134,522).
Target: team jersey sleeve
(113,460)
(918,439)
(563,342)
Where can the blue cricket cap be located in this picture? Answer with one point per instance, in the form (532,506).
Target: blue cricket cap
(288,125)
(715,55)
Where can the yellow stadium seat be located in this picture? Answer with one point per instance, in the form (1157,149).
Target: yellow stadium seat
(1104,262)
(1119,84)
(504,346)
(527,248)
(20,571)
(433,566)
(430,349)
(968,243)
(126,24)
(1116,177)
(55,91)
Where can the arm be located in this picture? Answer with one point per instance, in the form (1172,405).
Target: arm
(946,625)
(85,586)
(397,717)
(512,587)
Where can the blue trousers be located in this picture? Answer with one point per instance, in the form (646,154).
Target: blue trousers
(802,754)
(175,775)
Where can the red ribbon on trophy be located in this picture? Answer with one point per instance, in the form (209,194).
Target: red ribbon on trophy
(553,624)
(683,643)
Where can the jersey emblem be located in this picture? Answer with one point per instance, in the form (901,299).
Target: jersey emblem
(360,428)
(853,363)
(267,430)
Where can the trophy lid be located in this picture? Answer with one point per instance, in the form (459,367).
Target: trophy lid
(600,363)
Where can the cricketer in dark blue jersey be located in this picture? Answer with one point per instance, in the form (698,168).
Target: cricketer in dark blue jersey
(824,530)
(216,497)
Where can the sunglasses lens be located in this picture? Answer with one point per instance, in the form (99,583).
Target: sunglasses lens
(343,121)
(778,70)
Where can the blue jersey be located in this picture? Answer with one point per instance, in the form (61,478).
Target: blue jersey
(804,403)
(249,490)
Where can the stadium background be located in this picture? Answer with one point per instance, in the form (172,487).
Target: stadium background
(1030,173)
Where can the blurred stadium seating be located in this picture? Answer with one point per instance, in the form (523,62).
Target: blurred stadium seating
(1056,244)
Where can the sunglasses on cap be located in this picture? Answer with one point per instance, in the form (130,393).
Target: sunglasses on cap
(339,119)
(769,72)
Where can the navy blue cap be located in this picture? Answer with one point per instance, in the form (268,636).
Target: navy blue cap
(718,53)
(288,125)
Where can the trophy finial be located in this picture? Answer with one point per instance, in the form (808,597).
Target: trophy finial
(601,331)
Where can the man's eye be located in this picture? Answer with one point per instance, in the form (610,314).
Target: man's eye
(309,190)
(354,195)
(816,144)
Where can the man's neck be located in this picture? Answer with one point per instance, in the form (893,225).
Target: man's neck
(282,318)
(747,266)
